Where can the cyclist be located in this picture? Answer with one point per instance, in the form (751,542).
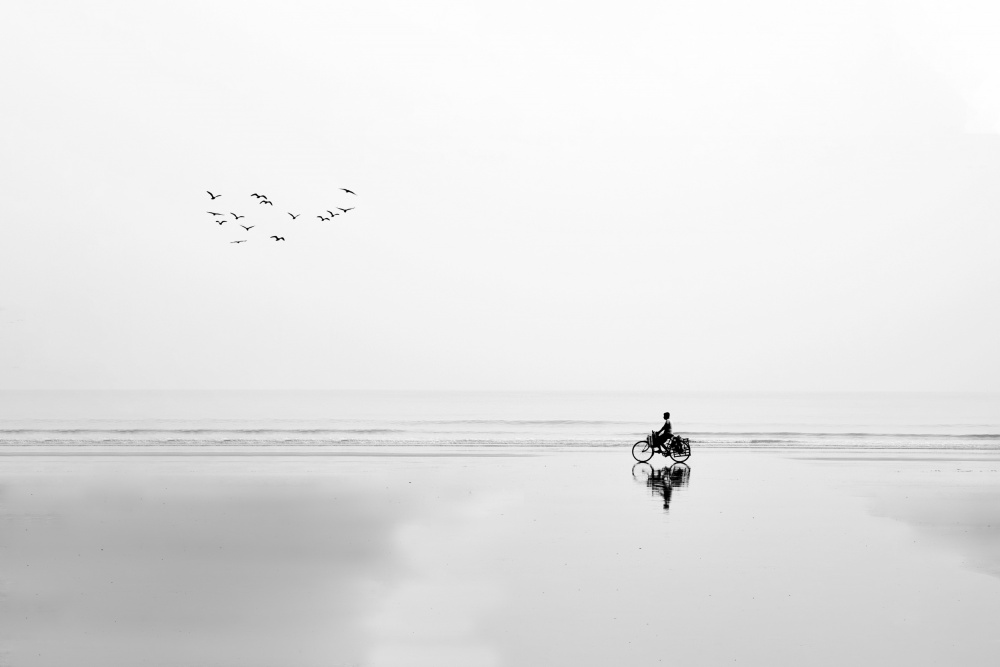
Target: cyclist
(664,434)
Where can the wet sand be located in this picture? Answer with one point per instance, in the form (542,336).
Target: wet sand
(439,557)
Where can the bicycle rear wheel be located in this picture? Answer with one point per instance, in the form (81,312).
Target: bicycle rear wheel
(680,450)
(641,451)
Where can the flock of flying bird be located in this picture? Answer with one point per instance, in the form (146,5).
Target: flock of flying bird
(263,199)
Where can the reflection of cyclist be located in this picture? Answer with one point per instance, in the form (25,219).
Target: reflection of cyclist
(659,481)
(662,481)
(664,434)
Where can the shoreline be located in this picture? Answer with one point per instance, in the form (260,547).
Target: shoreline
(427,449)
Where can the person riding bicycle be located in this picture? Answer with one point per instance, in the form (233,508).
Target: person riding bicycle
(662,437)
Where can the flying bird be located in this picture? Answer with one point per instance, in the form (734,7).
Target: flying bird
(243,241)
(350,192)
(259,196)
(220,221)
(278,238)
(214,213)
(264,201)
(248,228)
(331,213)
(237,216)
(294,216)
(322,218)
(214,197)
(345,210)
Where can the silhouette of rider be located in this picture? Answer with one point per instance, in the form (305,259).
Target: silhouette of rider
(664,434)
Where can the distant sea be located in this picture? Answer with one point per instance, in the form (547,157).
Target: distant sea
(98,420)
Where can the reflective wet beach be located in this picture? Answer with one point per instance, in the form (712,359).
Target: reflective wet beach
(442,556)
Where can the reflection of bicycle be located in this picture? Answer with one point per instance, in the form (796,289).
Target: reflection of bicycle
(678,474)
(662,481)
(677,448)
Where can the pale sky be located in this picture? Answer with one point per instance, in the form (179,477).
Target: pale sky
(551,195)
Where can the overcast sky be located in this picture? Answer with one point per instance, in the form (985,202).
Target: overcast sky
(550,195)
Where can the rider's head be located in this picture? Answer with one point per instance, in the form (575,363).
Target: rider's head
(666,415)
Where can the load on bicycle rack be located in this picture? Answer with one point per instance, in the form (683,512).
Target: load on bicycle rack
(676,447)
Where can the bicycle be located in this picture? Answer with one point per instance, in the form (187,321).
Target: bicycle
(677,448)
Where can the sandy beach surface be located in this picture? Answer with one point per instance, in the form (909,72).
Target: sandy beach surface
(473,557)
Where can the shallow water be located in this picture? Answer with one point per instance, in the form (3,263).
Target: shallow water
(443,556)
(310,420)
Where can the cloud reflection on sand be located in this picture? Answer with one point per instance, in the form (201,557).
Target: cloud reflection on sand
(968,523)
(450,559)
(224,561)
(168,571)
(950,500)
(436,615)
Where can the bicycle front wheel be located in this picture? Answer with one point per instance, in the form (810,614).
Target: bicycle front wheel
(641,451)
